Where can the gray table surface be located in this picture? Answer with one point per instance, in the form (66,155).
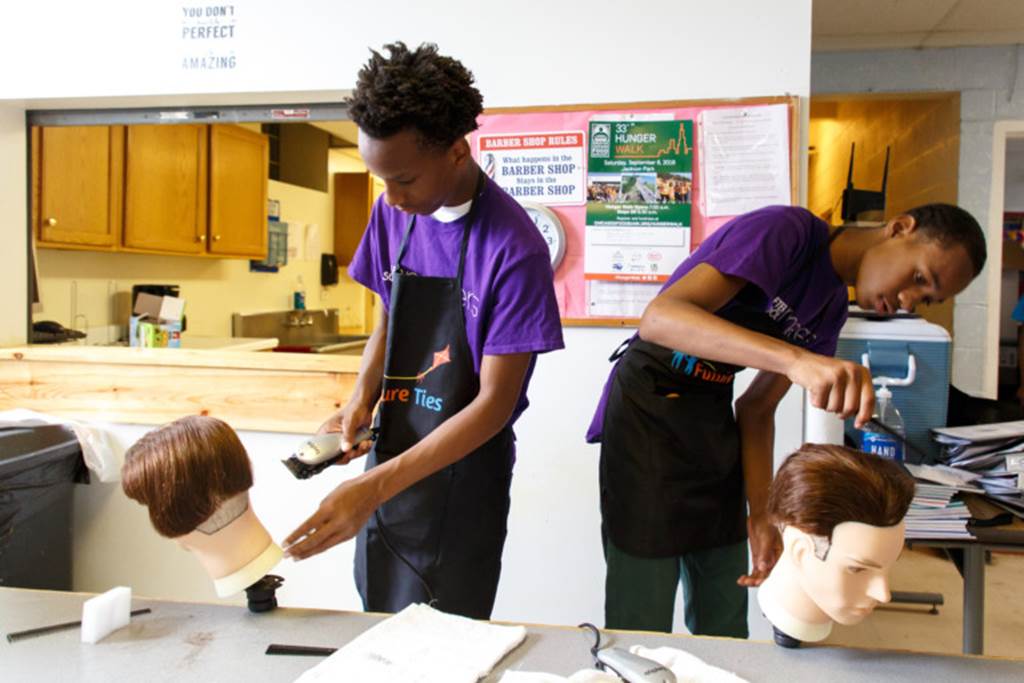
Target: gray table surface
(182,641)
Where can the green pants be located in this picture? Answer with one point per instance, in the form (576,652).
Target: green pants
(640,593)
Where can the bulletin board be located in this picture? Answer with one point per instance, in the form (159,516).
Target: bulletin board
(636,187)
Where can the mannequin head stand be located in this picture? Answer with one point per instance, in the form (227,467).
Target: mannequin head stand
(841,514)
(194,476)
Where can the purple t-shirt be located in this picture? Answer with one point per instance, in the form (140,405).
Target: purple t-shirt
(782,252)
(507,287)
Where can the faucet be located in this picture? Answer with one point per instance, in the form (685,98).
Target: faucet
(299,318)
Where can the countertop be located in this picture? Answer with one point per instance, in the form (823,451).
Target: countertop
(184,357)
(188,641)
(189,341)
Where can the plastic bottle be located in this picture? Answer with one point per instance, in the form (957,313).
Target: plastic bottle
(880,442)
(299,295)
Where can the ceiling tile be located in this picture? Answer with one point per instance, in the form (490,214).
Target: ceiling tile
(984,16)
(856,17)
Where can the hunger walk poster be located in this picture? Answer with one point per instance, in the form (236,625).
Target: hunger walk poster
(639,199)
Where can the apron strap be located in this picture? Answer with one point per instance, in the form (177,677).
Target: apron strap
(405,242)
(620,350)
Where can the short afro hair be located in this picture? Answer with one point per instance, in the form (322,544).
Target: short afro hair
(418,89)
(950,225)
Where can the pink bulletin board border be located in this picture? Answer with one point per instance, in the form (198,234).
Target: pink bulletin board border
(570,287)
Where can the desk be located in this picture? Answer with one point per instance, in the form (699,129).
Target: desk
(185,641)
(974,583)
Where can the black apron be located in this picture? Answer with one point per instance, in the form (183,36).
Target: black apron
(671,476)
(450,526)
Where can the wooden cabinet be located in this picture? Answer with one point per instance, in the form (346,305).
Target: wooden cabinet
(160,189)
(353,199)
(238,192)
(165,188)
(77,177)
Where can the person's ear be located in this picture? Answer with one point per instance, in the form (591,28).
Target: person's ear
(459,152)
(903,225)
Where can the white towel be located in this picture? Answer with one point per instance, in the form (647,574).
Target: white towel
(686,667)
(420,645)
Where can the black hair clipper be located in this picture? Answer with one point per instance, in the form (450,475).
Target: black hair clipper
(322,451)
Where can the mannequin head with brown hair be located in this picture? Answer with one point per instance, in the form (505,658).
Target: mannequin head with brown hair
(841,514)
(194,476)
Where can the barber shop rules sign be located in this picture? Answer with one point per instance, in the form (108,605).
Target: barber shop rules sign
(547,168)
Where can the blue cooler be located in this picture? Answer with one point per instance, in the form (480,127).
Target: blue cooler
(889,345)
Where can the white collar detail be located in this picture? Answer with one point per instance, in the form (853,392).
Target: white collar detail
(450,214)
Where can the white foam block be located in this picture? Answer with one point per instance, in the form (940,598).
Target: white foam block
(106,613)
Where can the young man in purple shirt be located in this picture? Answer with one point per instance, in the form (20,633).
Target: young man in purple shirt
(678,468)
(468,292)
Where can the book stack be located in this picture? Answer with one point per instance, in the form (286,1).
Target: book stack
(937,510)
(989,457)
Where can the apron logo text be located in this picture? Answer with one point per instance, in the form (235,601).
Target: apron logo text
(698,369)
(418,397)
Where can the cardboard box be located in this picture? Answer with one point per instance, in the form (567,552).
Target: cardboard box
(159,308)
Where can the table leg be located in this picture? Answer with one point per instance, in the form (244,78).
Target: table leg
(974,599)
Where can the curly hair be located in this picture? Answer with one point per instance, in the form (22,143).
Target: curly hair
(418,89)
(821,486)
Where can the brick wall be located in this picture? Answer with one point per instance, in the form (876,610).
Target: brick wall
(990,81)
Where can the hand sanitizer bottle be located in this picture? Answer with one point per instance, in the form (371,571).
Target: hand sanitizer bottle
(299,295)
(877,441)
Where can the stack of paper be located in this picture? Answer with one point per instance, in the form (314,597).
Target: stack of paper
(993,456)
(936,512)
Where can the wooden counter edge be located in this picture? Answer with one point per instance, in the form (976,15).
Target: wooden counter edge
(200,358)
(250,390)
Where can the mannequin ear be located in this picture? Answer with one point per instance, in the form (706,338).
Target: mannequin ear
(802,547)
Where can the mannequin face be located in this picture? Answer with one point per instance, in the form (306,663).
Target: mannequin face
(854,576)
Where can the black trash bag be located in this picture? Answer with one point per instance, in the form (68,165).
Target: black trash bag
(38,468)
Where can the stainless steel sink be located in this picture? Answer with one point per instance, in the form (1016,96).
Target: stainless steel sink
(337,343)
(312,331)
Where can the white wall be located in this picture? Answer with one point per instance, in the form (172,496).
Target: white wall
(529,53)
(14,197)
(1013,188)
(532,52)
(114,543)
(1013,200)
(991,85)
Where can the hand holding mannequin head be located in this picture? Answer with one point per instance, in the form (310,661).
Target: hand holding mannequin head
(194,476)
(841,515)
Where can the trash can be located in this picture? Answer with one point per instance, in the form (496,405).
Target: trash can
(38,468)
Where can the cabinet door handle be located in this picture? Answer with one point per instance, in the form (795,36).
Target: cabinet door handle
(50,222)
(200,238)
(216,238)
